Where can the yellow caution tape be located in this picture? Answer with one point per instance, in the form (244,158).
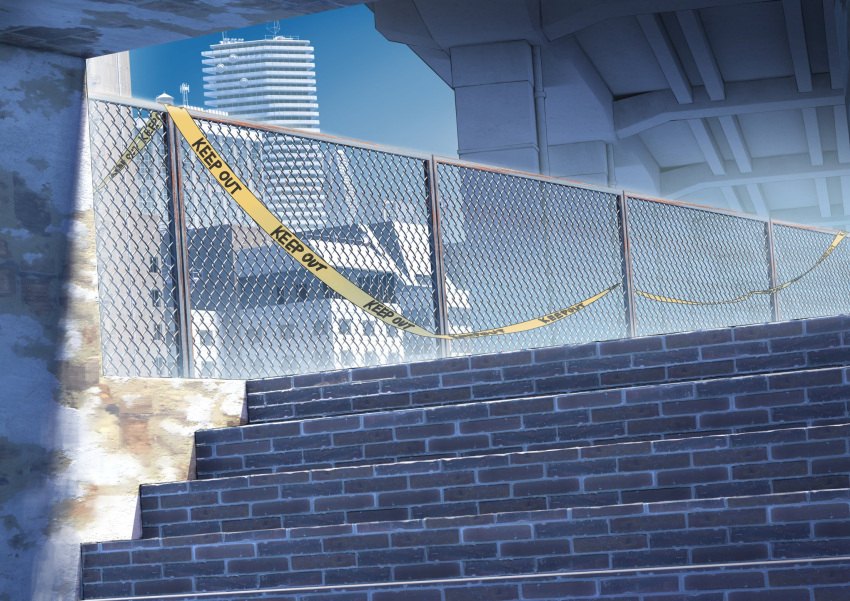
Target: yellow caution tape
(310,260)
(141,140)
(666,299)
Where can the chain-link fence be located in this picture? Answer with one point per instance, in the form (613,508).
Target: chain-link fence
(705,257)
(519,247)
(136,246)
(191,286)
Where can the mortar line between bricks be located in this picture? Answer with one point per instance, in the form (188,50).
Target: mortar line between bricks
(766,564)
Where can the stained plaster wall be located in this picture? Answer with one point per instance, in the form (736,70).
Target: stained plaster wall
(74,446)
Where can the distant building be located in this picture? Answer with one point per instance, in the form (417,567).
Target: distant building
(109,74)
(255,309)
(274,81)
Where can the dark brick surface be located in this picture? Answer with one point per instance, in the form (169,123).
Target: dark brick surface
(680,450)
(667,527)
(725,405)
(694,355)
(688,468)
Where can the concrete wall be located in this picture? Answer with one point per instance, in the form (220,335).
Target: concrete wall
(74,446)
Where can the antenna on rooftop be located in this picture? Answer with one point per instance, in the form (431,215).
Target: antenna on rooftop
(274,28)
(184,90)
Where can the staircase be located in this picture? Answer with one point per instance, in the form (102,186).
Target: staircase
(711,466)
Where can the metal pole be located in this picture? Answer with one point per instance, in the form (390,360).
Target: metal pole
(178,253)
(626,262)
(771,270)
(438,274)
(540,111)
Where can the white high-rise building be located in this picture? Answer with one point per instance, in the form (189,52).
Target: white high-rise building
(274,81)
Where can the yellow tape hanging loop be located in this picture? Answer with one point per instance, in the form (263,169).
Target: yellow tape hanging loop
(310,260)
(145,135)
(666,299)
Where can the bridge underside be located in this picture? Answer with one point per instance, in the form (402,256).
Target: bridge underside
(731,103)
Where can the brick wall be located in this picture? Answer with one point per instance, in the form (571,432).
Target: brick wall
(796,459)
(711,406)
(674,357)
(760,528)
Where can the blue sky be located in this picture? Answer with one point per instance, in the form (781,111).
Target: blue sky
(368,88)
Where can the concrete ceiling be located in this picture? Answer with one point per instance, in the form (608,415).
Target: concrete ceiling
(740,104)
(87,28)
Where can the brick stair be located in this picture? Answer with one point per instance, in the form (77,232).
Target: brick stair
(719,406)
(711,466)
(784,346)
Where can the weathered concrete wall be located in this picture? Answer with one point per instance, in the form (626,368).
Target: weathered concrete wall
(73,446)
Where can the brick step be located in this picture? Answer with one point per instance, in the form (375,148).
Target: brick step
(765,401)
(779,580)
(778,461)
(761,528)
(727,352)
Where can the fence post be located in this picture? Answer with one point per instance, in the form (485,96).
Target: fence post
(178,252)
(438,274)
(771,270)
(626,263)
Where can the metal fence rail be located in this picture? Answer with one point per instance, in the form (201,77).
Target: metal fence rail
(190,286)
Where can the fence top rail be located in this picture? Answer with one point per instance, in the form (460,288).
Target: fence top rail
(698,207)
(155,106)
(800,226)
(525,175)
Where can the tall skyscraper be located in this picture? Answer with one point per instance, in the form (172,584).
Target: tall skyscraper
(271,80)
(274,81)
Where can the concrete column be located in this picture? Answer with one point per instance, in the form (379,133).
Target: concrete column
(74,445)
(494,98)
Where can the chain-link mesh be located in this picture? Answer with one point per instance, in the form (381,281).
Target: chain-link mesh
(255,311)
(686,253)
(135,246)
(514,248)
(517,248)
(823,291)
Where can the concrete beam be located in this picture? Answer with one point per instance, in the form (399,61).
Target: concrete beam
(810,122)
(797,42)
(832,47)
(676,183)
(665,54)
(842,133)
(732,129)
(702,52)
(823,197)
(566,18)
(845,194)
(574,88)
(636,167)
(400,21)
(645,111)
(732,200)
(708,145)
(836,222)
(757,198)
